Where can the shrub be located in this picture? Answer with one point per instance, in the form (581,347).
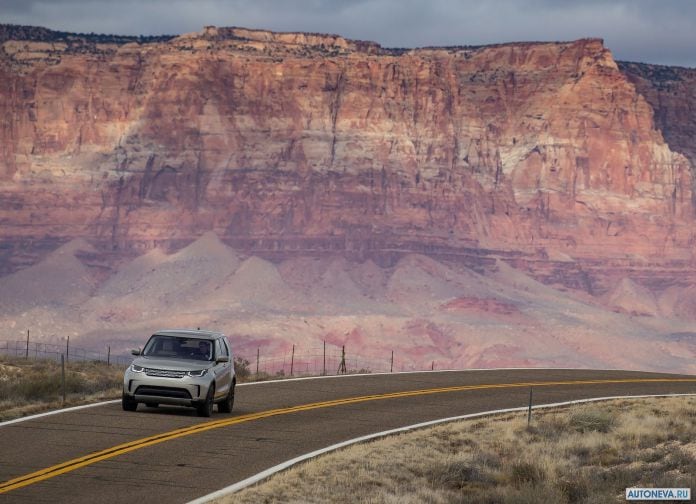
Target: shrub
(551,428)
(575,489)
(604,455)
(458,474)
(241,368)
(678,459)
(526,473)
(592,420)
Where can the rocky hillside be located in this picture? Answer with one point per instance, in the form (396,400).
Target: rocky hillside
(548,155)
(427,312)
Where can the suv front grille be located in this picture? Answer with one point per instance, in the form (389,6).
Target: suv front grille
(148,390)
(164,373)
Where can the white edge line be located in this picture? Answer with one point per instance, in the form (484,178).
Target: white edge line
(302,458)
(56,412)
(75,408)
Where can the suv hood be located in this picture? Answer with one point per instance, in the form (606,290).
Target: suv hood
(172,364)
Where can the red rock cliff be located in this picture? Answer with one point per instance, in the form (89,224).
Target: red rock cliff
(671,91)
(303,142)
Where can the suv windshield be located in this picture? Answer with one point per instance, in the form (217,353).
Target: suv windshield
(174,347)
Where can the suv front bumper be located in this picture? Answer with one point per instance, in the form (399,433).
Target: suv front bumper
(185,391)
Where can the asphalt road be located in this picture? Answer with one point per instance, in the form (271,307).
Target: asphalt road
(170,455)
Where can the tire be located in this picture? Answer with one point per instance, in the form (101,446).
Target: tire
(205,409)
(151,404)
(128,403)
(225,406)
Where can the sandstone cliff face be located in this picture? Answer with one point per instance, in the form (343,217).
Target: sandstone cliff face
(671,91)
(287,143)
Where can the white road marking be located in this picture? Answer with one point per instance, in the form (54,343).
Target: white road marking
(56,412)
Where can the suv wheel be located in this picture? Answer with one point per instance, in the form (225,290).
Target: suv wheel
(205,409)
(128,403)
(226,405)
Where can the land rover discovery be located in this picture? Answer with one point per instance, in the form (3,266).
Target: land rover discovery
(182,367)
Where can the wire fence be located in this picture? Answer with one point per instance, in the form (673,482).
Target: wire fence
(39,350)
(297,360)
(325,359)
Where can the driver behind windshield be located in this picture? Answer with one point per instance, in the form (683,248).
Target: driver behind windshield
(203,350)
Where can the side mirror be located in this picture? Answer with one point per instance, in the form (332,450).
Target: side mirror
(222,358)
(135,351)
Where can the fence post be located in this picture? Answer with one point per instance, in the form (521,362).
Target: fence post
(27,355)
(529,411)
(108,355)
(342,365)
(292,360)
(432,366)
(258,351)
(324,373)
(391,365)
(67,349)
(62,375)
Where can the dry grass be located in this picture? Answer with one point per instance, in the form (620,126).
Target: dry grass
(32,386)
(581,454)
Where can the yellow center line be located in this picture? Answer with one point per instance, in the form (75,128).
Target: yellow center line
(71,465)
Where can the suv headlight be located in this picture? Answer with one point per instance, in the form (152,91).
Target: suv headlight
(197,374)
(137,369)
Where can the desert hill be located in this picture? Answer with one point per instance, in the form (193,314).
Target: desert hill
(423,309)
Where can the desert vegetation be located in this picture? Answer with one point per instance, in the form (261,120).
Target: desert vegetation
(40,34)
(581,454)
(31,386)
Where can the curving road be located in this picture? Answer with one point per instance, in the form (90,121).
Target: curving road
(169,455)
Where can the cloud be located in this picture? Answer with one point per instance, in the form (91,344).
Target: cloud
(638,30)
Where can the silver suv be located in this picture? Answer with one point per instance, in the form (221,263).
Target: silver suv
(188,368)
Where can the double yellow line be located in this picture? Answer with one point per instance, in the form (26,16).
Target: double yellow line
(71,465)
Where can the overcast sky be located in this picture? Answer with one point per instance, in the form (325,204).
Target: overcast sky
(655,31)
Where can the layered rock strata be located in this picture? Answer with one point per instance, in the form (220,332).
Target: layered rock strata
(546,154)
